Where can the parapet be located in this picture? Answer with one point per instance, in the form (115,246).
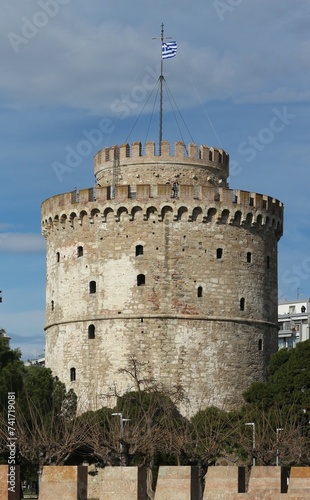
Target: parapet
(192,155)
(217,205)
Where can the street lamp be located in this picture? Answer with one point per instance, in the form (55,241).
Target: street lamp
(121,421)
(277,456)
(253,439)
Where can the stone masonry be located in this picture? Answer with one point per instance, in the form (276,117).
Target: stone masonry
(163,263)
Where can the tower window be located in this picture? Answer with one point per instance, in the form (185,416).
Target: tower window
(268,262)
(199,292)
(141,279)
(92,287)
(57,257)
(249,257)
(80,251)
(72,374)
(219,253)
(139,250)
(242,303)
(52,305)
(260,345)
(91,331)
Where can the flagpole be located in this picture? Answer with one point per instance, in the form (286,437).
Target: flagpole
(161,78)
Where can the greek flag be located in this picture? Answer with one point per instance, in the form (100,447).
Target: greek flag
(169,49)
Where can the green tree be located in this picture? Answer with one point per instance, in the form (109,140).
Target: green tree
(283,402)
(12,371)
(288,380)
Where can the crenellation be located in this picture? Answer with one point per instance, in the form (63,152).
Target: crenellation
(136,150)
(149,149)
(179,148)
(193,151)
(219,213)
(258,204)
(203,154)
(124,152)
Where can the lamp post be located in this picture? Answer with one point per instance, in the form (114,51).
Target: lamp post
(252,424)
(121,421)
(277,456)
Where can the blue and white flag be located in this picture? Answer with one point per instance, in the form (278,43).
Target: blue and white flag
(169,49)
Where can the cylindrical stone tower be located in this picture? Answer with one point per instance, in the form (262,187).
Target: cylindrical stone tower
(164,265)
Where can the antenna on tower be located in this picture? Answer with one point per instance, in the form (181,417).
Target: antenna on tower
(168,49)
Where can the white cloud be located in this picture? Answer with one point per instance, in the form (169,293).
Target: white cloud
(25,328)
(21,242)
(78,61)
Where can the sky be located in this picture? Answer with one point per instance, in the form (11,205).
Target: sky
(77,76)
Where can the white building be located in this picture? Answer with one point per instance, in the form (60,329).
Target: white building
(294,319)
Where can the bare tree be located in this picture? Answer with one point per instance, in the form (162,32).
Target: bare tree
(47,439)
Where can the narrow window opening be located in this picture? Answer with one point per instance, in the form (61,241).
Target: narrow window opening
(80,251)
(72,374)
(242,304)
(219,253)
(249,257)
(91,331)
(52,305)
(92,287)
(139,250)
(58,257)
(140,279)
(260,345)
(268,262)
(199,292)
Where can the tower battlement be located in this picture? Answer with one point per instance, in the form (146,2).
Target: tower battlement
(219,205)
(208,165)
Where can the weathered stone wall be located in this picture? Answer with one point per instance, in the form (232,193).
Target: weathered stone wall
(129,165)
(187,285)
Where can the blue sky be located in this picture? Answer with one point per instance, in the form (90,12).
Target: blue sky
(69,67)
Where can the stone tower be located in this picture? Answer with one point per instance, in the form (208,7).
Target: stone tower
(162,263)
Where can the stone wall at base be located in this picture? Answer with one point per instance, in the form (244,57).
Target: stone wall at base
(117,483)
(173,483)
(266,480)
(10,488)
(177,483)
(63,483)
(299,482)
(220,482)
